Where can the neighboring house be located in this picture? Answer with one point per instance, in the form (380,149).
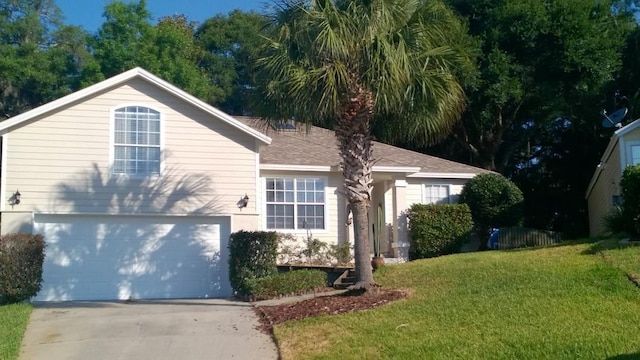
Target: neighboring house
(136,186)
(603,192)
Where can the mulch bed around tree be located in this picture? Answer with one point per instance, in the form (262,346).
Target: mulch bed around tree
(349,301)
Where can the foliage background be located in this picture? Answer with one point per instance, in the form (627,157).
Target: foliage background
(541,73)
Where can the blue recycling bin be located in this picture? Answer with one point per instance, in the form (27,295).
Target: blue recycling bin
(494,237)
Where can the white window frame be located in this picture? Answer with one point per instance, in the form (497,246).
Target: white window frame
(629,155)
(296,229)
(424,192)
(112,143)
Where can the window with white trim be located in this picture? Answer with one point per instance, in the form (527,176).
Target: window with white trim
(295,203)
(136,141)
(435,194)
(634,151)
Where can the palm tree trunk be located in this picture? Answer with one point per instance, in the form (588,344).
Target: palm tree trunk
(362,251)
(354,140)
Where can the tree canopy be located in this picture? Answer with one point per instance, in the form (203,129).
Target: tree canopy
(533,75)
(232,42)
(540,60)
(40,58)
(127,39)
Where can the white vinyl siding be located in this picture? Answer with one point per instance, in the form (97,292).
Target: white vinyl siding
(136,141)
(63,162)
(435,194)
(600,199)
(295,203)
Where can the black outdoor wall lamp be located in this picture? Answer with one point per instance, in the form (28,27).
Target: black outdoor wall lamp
(15,198)
(243,202)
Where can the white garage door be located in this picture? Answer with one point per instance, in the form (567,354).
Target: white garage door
(133,257)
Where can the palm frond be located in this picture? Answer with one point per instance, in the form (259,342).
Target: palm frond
(403,51)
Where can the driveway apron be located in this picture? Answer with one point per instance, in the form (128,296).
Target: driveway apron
(163,329)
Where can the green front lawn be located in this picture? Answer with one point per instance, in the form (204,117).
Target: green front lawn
(13,321)
(626,258)
(560,302)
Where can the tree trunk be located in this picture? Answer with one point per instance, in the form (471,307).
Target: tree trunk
(354,141)
(362,251)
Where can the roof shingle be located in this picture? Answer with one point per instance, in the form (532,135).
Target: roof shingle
(318,147)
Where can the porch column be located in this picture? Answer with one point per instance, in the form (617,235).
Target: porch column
(400,242)
(347,222)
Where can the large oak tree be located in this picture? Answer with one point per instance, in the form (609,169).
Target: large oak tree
(232,42)
(40,57)
(539,60)
(168,49)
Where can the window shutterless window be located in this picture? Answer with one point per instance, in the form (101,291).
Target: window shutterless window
(136,141)
(436,194)
(295,203)
(634,151)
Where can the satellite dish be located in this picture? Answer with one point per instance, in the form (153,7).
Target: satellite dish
(614,119)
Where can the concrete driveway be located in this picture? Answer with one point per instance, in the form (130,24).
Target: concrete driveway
(163,329)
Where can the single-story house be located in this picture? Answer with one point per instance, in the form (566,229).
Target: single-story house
(136,186)
(603,192)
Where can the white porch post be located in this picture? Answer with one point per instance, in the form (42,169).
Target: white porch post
(347,223)
(400,242)
(388,216)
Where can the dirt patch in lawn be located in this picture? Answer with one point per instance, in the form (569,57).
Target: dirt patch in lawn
(634,278)
(349,301)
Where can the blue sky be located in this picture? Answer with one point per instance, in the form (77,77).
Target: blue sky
(88,13)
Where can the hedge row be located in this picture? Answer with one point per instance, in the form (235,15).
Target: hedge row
(292,282)
(252,255)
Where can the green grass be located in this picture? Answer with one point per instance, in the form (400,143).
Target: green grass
(626,258)
(13,321)
(563,302)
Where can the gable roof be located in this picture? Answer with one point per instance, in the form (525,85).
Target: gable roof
(136,73)
(627,128)
(317,147)
(607,152)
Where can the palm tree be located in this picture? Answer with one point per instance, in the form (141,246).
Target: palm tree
(351,65)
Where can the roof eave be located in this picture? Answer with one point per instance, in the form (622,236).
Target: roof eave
(330,168)
(302,168)
(7,125)
(603,160)
(607,153)
(395,169)
(627,128)
(203,106)
(442,175)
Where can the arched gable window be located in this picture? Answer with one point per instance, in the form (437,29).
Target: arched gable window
(136,141)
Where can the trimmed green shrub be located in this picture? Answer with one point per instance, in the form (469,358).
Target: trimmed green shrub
(615,222)
(438,229)
(21,259)
(252,255)
(630,209)
(495,201)
(292,282)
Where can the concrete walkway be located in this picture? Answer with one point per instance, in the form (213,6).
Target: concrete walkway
(295,299)
(167,329)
